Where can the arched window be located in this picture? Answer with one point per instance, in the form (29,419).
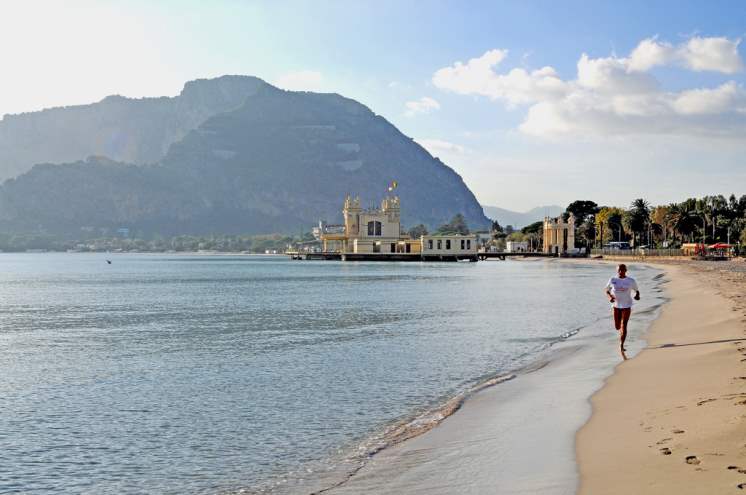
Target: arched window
(374,228)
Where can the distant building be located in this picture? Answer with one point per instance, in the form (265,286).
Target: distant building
(324,228)
(378,231)
(559,235)
(483,238)
(516,246)
(448,244)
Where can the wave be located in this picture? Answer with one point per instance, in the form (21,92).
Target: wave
(533,360)
(399,432)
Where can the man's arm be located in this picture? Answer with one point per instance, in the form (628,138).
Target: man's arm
(608,291)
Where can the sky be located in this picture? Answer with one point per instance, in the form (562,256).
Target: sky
(532,103)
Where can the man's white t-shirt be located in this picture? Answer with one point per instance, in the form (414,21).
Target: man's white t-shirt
(621,289)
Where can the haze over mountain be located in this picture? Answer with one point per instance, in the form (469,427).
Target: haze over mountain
(521,219)
(122,129)
(277,162)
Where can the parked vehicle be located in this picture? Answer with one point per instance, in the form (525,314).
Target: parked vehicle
(617,245)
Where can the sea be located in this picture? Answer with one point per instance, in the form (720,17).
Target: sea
(222,374)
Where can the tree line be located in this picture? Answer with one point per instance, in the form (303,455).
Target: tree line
(181,243)
(709,220)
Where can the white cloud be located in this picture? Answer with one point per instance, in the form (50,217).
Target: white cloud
(304,80)
(722,99)
(516,87)
(613,95)
(436,146)
(422,106)
(715,54)
(610,75)
(697,54)
(472,77)
(648,54)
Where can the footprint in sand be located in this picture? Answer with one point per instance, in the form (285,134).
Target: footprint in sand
(705,401)
(661,442)
(665,451)
(741,486)
(692,459)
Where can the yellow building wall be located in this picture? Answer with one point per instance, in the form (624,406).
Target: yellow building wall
(455,244)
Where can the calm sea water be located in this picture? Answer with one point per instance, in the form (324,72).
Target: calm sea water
(208,374)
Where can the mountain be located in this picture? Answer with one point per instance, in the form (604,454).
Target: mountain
(279,162)
(519,220)
(124,129)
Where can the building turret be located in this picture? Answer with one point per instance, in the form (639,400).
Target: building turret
(390,208)
(559,235)
(351,215)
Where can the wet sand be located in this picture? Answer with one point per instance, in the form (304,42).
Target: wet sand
(514,438)
(672,419)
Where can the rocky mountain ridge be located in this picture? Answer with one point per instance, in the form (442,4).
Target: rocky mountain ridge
(133,130)
(279,162)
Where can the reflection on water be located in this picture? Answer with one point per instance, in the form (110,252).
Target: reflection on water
(176,374)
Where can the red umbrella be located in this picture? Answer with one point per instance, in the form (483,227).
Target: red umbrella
(719,245)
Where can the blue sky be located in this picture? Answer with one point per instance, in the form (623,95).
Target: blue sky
(664,124)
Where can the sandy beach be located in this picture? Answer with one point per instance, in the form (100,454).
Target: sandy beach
(517,437)
(671,420)
(668,420)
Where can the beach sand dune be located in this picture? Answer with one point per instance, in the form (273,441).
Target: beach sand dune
(672,419)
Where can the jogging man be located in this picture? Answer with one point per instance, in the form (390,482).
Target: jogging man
(619,289)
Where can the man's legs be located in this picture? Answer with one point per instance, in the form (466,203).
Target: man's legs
(617,318)
(625,314)
(621,317)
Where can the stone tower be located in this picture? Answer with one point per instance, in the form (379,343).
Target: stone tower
(351,214)
(559,236)
(390,208)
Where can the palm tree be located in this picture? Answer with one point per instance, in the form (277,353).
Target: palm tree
(684,219)
(638,218)
(614,221)
(658,219)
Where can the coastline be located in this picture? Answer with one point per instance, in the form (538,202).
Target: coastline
(672,419)
(518,437)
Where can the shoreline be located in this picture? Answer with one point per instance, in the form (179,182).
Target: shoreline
(671,420)
(501,438)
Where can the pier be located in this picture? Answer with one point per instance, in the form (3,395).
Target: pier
(479,256)
(503,255)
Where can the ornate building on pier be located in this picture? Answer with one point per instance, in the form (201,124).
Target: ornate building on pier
(559,235)
(378,231)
